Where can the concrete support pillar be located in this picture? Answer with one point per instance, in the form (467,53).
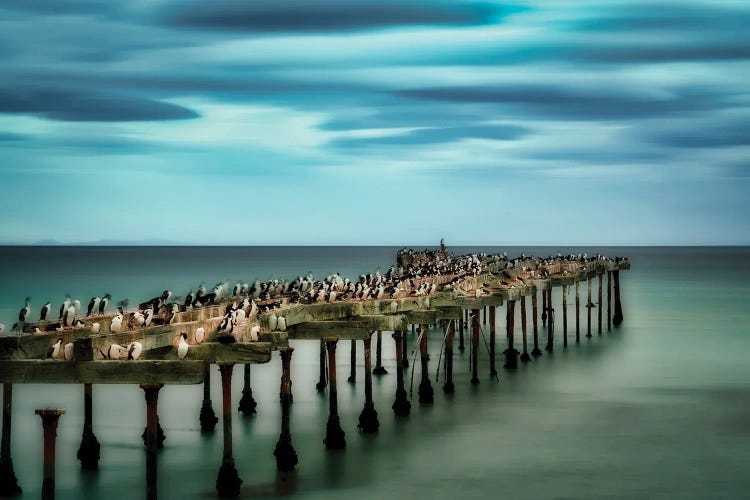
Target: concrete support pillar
(88,452)
(493,371)
(599,306)
(379,368)
(578,311)
(565,314)
(335,436)
(448,386)
(401,406)
(511,354)
(474,346)
(208,418)
(536,352)
(247,402)
(8,481)
(286,455)
(151,392)
(617,319)
(228,480)
(322,382)
(368,419)
(49,424)
(525,356)
(461,323)
(550,323)
(589,305)
(353,361)
(426,396)
(609,301)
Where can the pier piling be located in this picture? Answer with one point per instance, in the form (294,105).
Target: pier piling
(88,452)
(286,455)
(228,480)
(8,482)
(207,417)
(368,419)
(50,418)
(247,403)
(401,406)
(151,393)
(335,437)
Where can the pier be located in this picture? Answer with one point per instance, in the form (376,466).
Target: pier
(424,289)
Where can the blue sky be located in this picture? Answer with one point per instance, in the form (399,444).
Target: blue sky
(556,122)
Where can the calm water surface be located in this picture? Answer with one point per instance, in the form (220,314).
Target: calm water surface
(659,408)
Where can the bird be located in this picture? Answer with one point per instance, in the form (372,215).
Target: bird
(103,303)
(44,311)
(25,312)
(134,350)
(55,350)
(182,348)
(116,325)
(200,335)
(95,328)
(68,351)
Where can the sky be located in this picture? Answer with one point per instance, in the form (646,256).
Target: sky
(388,122)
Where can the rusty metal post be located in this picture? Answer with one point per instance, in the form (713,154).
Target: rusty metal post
(151,392)
(8,481)
(286,455)
(448,386)
(88,452)
(401,406)
(228,480)
(536,352)
(49,424)
(335,437)
(368,419)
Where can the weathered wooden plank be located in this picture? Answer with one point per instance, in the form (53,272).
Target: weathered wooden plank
(101,372)
(214,352)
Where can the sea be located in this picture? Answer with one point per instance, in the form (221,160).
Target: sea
(658,407)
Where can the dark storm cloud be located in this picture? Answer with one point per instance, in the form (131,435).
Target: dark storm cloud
(304,15)
(86,105)
(439,135)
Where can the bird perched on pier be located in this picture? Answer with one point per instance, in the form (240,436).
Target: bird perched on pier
(103,303)
(134,350)
(93,305)
(56,350)
(25,312)
(183,346)
(200,335)
(44,311)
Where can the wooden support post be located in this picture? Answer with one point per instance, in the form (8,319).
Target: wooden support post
(550,323)
(353,361)
(335,437)
(227,481)
(321,385)
(247,401)
(208,418)
(536,352)
(578,311)
(599,306)
(511,354)
(448,386)
(88,452)
(589,305)
(368,419)
(461,323)
(151,392)
(401,406)
(525,356)
(565,314)
(609,301)
(426,396)
(379,368)
(617,319)
(286,456)
(493,371)
(474,345)
(544,308)
(49,424)
(405,346)
(8,481)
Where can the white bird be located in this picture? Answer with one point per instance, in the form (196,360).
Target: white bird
(68,351)
(182,348)
(55,350)
(200,335)
(134,350)
(273,322)
(95,328)
(254,332)
(281,324)
(116,325)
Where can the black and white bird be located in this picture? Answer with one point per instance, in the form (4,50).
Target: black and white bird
(44,311)
(25,312)
(56,350)
(183,346)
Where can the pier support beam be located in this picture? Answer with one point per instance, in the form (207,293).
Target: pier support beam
(493,371)
(536,352)
(474,346)
(511,354)
(401,406)
(578,311)
(247,401)
(88,452)
(228,480)
(379,368)
(286,456)
(151,392)
(335,437)
(525,356)
(321,385)
(550,323)
(49,424)
(426,395)
(599,306)
(617,319)
(565,314)
(8,482)
(368,419)
(353,361)
(448,386)
(589,305)
(609,301)
(208,418)
(461,333)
